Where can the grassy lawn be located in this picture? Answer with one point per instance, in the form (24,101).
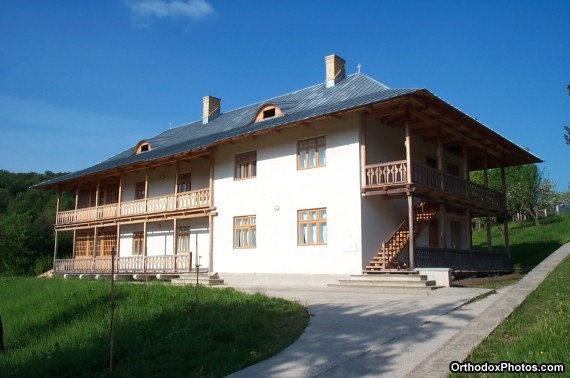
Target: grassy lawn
(536,332)
(529,244)
(58,328)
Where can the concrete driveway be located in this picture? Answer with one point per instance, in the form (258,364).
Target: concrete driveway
(369,332)
(392,333)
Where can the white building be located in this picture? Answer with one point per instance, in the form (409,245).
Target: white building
(339,178)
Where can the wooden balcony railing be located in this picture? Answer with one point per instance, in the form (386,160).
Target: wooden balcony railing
(395,174)
(125,265)
(182,201)
(459,259)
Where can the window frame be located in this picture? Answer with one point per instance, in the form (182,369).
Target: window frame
(138,243)
(316,149)
(246,231)
(183,239)
(318,221)
(140,190)
(83,243)
(245,161)
(184,182)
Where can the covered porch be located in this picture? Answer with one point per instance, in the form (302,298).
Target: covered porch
(419,150)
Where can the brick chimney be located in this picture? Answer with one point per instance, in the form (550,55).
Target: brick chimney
(334,70)
(211,108)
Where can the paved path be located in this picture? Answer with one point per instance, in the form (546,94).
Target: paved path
(395,333)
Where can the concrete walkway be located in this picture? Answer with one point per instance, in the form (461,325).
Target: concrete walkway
(392,333)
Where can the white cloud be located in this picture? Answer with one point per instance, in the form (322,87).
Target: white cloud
(144,10)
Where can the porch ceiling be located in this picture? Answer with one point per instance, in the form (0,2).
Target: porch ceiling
(433,119)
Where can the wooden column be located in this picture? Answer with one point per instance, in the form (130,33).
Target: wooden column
(464,153)
(441,226)
(506,222)
(145,192)
(408,148)
(144,245)
(442,216)
(487,216)
(76,202)
(440,158)
(411,216)
(177,169)
(94,246)
(362,152)
(118,243)
(97,192)
(120,199)
(73,248)
(54,250)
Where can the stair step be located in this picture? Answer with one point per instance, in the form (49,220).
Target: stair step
(377,283)
(389,277)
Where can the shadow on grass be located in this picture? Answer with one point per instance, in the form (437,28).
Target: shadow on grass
(225,336)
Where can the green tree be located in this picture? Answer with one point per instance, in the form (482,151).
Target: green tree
(527,189)
(26,223)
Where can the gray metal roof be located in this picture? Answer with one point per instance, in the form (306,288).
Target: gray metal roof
(354,91)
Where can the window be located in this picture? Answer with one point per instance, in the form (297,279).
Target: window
(183,239)
(455,228)
(245,232)
(140,190)
(108,194)
(106,241)
(184,183)
(142,147)
(311,153)
(138,241)
(84,244)
(267,111)
(312,227)
(246,165)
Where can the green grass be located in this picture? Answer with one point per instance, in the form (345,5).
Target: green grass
(536,332)
(59,328)
(529,244)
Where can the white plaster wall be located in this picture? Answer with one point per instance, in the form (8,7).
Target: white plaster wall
(159,238)
(198,231)
(380,218)
(161,180)
(126,238)
(280,190)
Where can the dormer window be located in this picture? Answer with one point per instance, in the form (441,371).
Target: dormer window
(267,112)
(142,147)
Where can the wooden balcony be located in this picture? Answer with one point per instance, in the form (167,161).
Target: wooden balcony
(195,199)
(125,265)
(392,177)
(465,260)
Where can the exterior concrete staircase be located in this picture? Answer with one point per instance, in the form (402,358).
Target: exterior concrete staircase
(204,278)
(395,280)
(387,257)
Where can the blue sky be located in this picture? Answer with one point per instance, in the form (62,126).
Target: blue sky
(83,80)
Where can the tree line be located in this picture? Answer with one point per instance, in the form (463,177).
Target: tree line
(27,217)
(528,190)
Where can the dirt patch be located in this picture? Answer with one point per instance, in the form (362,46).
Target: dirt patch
(485,281)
